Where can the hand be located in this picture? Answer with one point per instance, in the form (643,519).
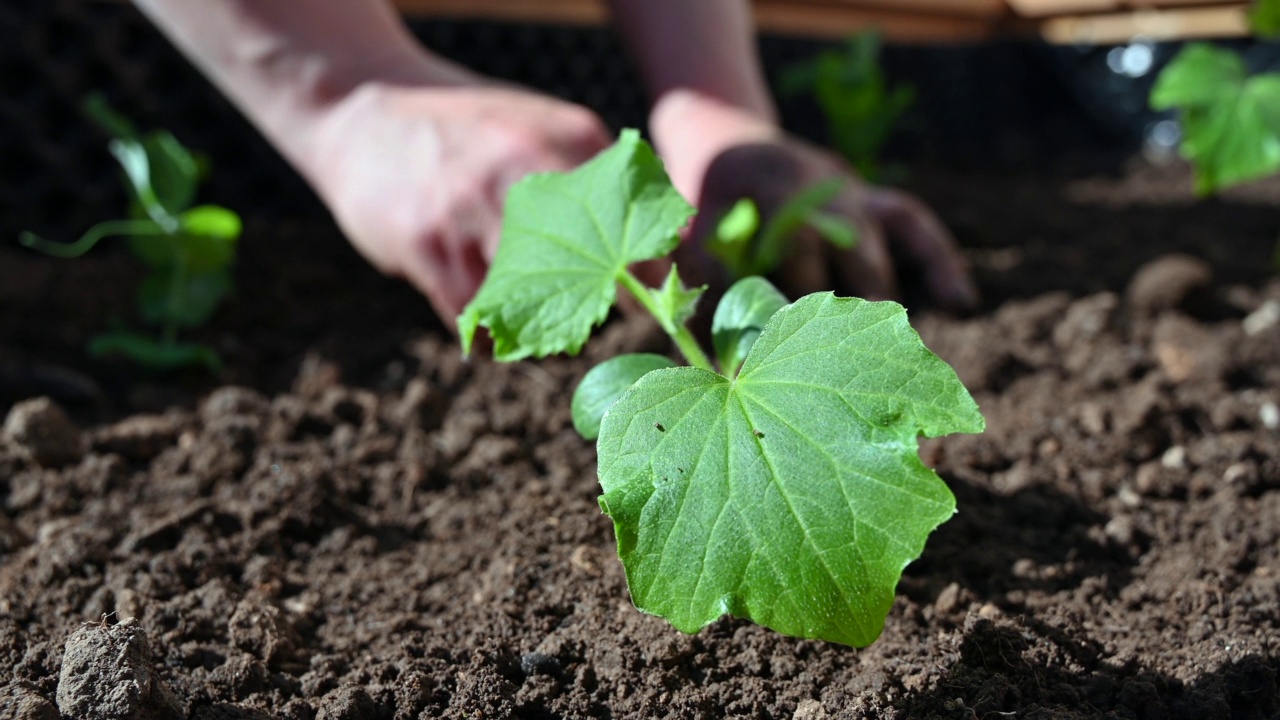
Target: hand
(416,176)
(717,155)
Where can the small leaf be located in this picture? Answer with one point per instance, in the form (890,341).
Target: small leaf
(792,495)
(212,221)
(674,304)
(833,228)
(154,354)
(115,124)
(605,383)
(175,174)
(547,288)
(787,220)
(210,237)
(1264,18)
(132,157)
(190,304)
(740,223)
(1230,122)
(740,316)
(1200,76)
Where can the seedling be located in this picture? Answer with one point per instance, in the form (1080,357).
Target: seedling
(780,483)
(1230,120)
(188,248)
(860,108)
(747,249)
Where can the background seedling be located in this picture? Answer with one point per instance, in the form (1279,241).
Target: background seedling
(1230,119)
(860,108)
(780,483)
(188,248)
(747,249)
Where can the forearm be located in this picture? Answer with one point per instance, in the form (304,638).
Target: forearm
(704,48)
(286,62)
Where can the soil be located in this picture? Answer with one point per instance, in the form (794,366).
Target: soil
(351,522)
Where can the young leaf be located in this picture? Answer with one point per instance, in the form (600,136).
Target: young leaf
(1264,18)
(673,303)
(604,384)
(740,316)
(793,495)
(547,288)
(740,223)
(772,245)
(175,174)
(154,354)
(1230,122)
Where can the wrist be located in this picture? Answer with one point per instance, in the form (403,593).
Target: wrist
(313,113)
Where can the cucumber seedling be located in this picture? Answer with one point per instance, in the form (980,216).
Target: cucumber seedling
(1230,119)
(187,248)
(779,482)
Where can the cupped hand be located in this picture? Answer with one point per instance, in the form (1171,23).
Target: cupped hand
(416,176)
(717,155)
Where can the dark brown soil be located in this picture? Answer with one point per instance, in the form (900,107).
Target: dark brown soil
(358,524)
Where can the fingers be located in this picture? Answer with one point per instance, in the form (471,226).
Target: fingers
(868,268)
(928,244)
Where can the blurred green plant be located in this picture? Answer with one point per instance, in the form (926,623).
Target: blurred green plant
(188,248)
(861,109)
(747,247)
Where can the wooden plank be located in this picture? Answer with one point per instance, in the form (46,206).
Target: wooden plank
(965,8)
(569,12)
(1051,8)
(824,20)
(814,18)
(1123,27)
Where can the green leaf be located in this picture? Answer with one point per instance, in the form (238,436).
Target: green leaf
(210,235)
(205,241)
(212,221)
(187,303)
(787,220)
(673,305)
(605,383)
(1264,18)
(740,223)
(548,288)
(740,316)
(154,354)
(1200,76)
(175,174)
(115,124)
(792,496)
(1230,122)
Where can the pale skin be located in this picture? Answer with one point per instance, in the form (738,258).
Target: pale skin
(414,154)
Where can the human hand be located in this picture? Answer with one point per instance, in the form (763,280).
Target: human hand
(717,155)
(416,175)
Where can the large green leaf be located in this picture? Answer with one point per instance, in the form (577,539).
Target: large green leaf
(567,238)
(793,495)
(1230,122)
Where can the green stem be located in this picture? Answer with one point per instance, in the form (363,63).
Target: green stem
(90,238)
(683,338)
(177,280)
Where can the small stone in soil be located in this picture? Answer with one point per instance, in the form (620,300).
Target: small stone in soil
(44,432)
(107,673)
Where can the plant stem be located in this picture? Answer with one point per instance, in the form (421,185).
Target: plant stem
(90,238)
(683,338)
(177,280)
